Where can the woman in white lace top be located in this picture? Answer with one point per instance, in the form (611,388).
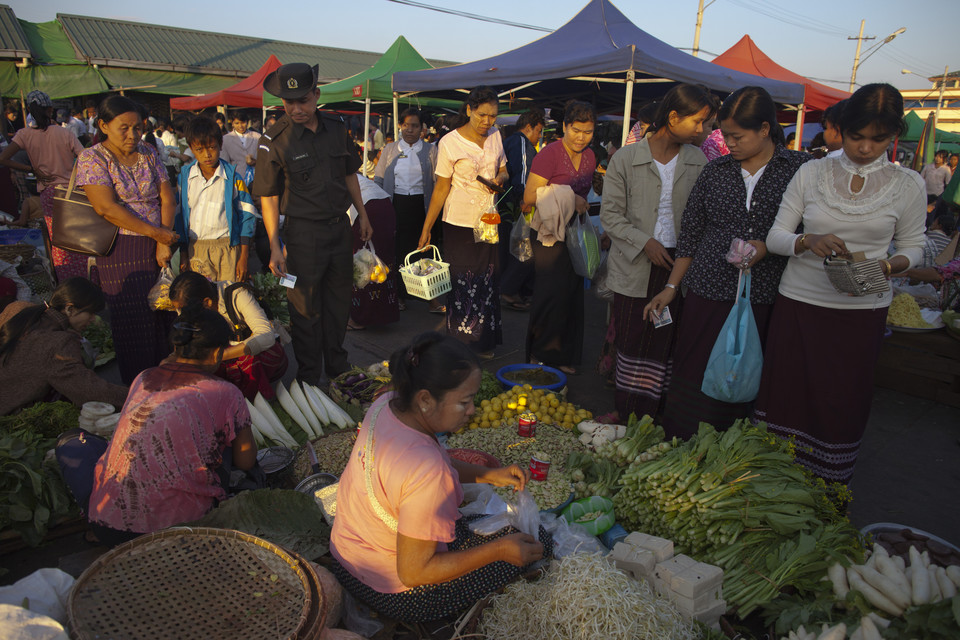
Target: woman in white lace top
(822,347)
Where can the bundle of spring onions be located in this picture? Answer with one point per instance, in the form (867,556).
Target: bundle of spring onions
(309,408)
(584,596)
(738,501)
(641,434)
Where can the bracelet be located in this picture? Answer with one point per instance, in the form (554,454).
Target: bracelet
(888,271)
(670,286)
(803,243)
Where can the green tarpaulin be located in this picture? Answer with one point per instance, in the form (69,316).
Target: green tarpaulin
(376,82)
(62,81)
(49,43)
(8,80)
(915,129)
(165,82)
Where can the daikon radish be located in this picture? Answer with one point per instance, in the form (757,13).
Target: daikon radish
(887,567)
(886,586)
(838,632)
(873,596)
(257,436)
(878,550)
(947,588)
(953,572)
(293,410)
(317,407)
(338,415)
(838,577)
(935,595)
(297,394)
(280,433)
(881,622)
(925,556)
(869,630)
(898,560)
(264,425)
(919,580)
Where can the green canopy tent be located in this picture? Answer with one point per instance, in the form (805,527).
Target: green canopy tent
(374,85)
(915,126)
(56,70)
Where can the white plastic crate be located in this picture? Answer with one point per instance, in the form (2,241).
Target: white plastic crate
(429,286)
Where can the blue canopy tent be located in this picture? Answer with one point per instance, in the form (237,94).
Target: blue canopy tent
(596,48)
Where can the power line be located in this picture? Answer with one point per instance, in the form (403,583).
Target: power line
(471,16)
(795,20)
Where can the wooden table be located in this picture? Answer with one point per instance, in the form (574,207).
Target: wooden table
(926,365)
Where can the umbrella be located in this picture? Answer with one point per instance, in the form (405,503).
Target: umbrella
(925,147)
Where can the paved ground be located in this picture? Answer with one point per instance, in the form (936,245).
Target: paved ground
(909,470)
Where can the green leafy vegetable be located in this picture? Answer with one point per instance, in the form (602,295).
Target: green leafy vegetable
(100,338)
(48,419)
(490,387)
(271,295)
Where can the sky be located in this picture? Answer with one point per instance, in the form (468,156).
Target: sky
(809,38)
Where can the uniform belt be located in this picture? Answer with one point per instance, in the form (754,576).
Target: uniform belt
(332,220)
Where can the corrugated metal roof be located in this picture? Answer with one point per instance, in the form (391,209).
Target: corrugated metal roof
(147,46)
(13,42)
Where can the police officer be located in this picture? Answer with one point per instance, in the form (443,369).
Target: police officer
(306,157)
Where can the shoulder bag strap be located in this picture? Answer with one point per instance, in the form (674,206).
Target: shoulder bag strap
(368,466)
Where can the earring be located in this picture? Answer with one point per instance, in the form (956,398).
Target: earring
(424,409)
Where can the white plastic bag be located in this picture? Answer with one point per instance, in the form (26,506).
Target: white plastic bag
(159,295)
(569,538)
(522,514)
(481,499)
(45,591)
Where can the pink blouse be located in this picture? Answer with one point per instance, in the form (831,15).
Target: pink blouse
(160,467)
(415,483)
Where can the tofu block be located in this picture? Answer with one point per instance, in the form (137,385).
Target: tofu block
(667,569)
(690,607)
(638,563)
(697,579)
(711,616)
(661,547)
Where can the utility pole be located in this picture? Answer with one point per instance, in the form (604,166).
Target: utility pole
(856,59)
(936,115)
(696,33)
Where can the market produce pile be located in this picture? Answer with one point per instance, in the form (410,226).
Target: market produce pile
(736,499)
(33,495)
(100,338)
(584,596)
(547,406)
(359,387)
(905,312)
(271,296)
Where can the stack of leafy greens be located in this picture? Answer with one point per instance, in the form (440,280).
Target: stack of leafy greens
(272,296)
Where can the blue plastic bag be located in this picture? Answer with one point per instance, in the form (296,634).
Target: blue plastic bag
(733,370)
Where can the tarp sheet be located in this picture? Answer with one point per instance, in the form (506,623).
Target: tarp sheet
(915,126)
(246,93)
(8,80)
(746,56)
(165,82)
(49,43)
(599,40)
(62,81)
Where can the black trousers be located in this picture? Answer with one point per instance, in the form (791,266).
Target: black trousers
(319,254)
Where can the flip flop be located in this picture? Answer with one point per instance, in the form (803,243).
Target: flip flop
(441,309)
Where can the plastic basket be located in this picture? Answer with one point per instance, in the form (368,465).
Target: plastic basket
(430,286)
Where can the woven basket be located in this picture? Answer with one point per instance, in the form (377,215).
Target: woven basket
(198,583)
(10,252)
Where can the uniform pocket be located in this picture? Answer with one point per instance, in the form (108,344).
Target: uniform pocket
(302,169)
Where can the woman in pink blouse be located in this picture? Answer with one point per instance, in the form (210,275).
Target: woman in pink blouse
(127,184)
(399,542)
(160,468)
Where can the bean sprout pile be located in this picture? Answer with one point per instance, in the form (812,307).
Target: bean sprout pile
(584,596)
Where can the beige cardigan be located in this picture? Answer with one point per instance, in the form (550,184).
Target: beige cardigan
(631,199)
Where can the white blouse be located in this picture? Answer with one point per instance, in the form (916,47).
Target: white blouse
(463,161)
(891,204)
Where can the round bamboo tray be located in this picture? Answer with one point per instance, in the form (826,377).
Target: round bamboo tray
(201,583)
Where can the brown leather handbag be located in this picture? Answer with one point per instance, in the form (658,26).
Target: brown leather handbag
(77,226)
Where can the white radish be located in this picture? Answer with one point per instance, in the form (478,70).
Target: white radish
(838,577)
(297,394)
(316,405)
(857,634)
(293,410)
(279,432)
(919,581)
(264,426)
(878,550)
(887,567)
(898,560)
(889,588)
(869,630)
(953,572)
(908,574)
(881,622)
(838,632)
(585,439)
(926,558)
(935,595)
(947,588)
(873,596)
(341,417)
(257,436)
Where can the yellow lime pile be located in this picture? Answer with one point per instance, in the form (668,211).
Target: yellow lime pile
(905,312)
(549,408)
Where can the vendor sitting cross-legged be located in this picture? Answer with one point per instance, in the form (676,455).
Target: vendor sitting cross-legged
(398,541)
(161,467)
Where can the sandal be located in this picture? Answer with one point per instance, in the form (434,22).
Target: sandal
(439,309)
(514,302)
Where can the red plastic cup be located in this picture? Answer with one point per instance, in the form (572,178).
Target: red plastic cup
(539,469)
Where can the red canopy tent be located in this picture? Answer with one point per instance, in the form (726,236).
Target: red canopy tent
(746,56)
(246,93)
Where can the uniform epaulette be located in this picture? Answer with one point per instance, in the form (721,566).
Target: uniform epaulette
(336,117)
(278,127)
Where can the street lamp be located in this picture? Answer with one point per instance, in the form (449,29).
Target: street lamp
(857,61)
(943,84)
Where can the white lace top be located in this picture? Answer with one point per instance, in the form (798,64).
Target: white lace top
(891,205)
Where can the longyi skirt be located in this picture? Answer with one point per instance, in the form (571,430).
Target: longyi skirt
(473,304)
(817,383)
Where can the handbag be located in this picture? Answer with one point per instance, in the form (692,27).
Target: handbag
(76,225)
(856,276)
(736,361)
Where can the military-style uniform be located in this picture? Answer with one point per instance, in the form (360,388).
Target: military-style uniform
(310,170)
